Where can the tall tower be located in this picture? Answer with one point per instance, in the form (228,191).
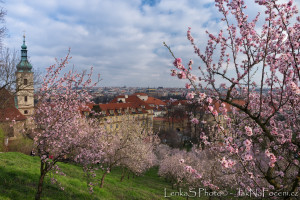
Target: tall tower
(24,84)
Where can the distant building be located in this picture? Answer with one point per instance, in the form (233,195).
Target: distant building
(112,114)
(158,106)
(151,91)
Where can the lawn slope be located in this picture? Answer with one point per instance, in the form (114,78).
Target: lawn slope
(19,175)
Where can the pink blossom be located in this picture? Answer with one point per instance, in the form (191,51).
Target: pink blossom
(195,121)
(248,157)
(189,169)
(174,72)
(188,86)
(209,100)
(210,108)
(198,176)
(227,163)
(248,130)
(177,62)
(181,75)
(215,113)
(202,96)
(190,95)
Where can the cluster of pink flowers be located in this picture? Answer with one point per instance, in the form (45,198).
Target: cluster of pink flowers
(248,144)
(190,170)
(190,95)
(181,75)
(295,88)
(272,157)
(210,108)
(202,96)
(188,86)
(223,109)
(178,64)
(248,157)
(248,130)
(215,113)
(227,163)
(195,121)
(209,100)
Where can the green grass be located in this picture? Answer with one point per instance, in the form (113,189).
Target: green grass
(19,175)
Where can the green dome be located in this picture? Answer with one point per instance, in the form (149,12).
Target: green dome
(24,65)
(24,46)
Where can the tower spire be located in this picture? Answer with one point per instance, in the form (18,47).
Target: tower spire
(24,64)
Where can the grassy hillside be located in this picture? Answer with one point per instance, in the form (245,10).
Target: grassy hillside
(19,174)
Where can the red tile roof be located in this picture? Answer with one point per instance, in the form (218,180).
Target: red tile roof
(135,100)
(156,102)
(119,108)
(8,111)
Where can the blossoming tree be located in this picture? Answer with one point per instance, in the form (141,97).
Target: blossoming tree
(130,146)
(61,130)
(260,66)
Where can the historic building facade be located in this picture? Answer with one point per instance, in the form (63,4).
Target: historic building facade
(24,84)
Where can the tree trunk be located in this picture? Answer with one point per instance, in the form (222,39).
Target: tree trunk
(102,179)
(41,181)
(123,174)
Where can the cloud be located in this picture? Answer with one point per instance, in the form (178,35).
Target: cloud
(121,39)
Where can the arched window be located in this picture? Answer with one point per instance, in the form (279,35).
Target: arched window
(25,81)
(25,99)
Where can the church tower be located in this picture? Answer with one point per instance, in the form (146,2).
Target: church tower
(24,84)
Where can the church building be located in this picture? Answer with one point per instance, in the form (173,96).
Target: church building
(24,84)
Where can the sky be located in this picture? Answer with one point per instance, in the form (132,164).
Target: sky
(121,39)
